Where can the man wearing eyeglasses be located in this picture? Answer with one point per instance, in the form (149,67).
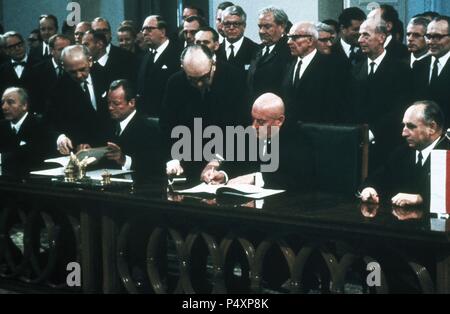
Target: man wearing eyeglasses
(415,35)
(236,49)
(200,90)
(432,75)
(161,60)
(267,68)
(309,88)
(15,71)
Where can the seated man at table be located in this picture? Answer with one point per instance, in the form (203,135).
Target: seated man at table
(405,177)
(287,146)
(24,139)
(134,145)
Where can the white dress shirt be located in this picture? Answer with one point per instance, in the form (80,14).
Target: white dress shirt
(442,61)
(19,68)
(16,126)
(123,124)
(236,46)
(305,63)
(377,62)
(427,151)
(161,49)
(91,91)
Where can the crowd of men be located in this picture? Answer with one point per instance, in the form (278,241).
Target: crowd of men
(75,89)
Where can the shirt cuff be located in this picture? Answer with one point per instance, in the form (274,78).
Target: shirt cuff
(225,175)
(259,181)
(60,139)
(128,161)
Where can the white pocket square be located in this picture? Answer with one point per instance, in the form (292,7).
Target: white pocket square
(104,94)
(164,67)
(22,143)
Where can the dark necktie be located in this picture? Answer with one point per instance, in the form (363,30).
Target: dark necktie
(372,69)
(59,72)
(231,57)
(152,54)
(297,73)
(86,92)
(434,74)
(352,56)
(266,53)
(419,160)
(46,54)
(14,130)
(118,130)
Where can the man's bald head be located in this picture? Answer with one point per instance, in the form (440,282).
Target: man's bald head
(77,62)
(198,64)
(270,103)
(268,112)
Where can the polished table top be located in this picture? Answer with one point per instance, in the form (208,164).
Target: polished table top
(316,210)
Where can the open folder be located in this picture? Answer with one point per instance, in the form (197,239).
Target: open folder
(244,190)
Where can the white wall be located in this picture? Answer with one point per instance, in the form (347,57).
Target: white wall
(297,10)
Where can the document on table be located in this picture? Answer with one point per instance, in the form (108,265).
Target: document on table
(244,190)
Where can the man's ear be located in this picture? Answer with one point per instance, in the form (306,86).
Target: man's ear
(132,102)
(90,61)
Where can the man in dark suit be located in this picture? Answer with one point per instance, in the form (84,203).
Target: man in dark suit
(45,74)
(236,49)
(393,46)
(78,108)
(214,95)
(191,25)
(432,74)
(158,64)
(405,177)
(16,71)
(80,29)
(97,42)
(119,61)
(24,138)
(417,45)
(380,90)
(48,26)
(267,68)
(289,165)
(347,49)
(135,145)
(307,77)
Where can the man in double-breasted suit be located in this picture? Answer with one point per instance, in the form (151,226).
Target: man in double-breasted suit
(158,64)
